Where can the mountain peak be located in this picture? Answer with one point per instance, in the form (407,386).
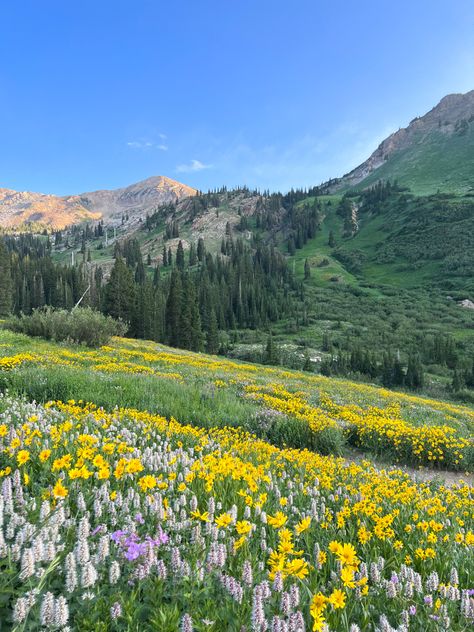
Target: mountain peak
(435,151)
(19,209)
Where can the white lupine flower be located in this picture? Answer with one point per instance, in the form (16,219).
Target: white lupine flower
(70,571)
(88,575)
(103,548)
(115,611)
(114,572)
(82,552)
(27,564)
(247,575)
(61,612)
(453,578)
(20,610)
(47,610)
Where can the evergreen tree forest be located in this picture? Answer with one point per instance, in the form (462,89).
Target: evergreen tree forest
(179,304)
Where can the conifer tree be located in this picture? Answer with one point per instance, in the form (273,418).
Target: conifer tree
(457,382)
(212,335)
(180,255)
(119,300)
(5,281)
(173,310)
(192,256)
(307,269)
(140,274)
(201,250)
(414,377)
(271,351)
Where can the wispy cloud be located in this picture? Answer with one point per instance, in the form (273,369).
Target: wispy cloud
(144,143)
(194,165)
(305,161)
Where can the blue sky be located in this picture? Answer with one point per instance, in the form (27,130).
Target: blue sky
(272,94)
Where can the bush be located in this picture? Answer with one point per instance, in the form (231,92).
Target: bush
(82,325)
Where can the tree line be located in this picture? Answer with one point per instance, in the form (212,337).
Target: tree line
(183,304)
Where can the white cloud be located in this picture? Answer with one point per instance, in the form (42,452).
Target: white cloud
(194,165)
(305,161)
(149,144)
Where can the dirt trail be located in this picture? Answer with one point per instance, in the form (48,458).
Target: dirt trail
(419,474)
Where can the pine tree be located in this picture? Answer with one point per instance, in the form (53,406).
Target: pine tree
(307,269)
(307,366)
(331,240)
(156,277)
(119,300)
(192,256)
(271,352)
(180,255)
(5,281)
(173,310)
(398,374)
(327,345)
(457,382)
(196,334)
(414,377)
(212,336)
(201,250)
(140,274)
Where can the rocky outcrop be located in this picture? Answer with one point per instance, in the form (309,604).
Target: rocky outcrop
(450,116)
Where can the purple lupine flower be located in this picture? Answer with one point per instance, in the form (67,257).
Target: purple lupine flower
(412,610)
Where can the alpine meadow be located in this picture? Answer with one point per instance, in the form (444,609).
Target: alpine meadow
(237,408)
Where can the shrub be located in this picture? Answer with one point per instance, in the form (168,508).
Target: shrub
(82,325)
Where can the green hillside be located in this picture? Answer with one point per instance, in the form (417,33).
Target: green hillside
(437,162)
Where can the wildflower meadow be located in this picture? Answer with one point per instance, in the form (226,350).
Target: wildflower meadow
(146,506)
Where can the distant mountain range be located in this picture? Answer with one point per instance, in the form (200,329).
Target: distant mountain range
(29,210)
(435,152)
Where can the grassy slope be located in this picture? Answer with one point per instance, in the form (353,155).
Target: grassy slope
(385,304)
(441,162)
(195,388)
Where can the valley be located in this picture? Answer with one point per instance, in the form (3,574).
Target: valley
(283,438)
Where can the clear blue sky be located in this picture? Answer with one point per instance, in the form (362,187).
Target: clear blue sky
(269,93)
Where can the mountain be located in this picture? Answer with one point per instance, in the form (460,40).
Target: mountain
(27,210)
(24,209)
(435,152)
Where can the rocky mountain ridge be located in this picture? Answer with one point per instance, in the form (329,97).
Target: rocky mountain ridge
(27,210)
(453,115)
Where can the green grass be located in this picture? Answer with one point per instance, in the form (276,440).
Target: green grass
(202,390)
(441,162)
